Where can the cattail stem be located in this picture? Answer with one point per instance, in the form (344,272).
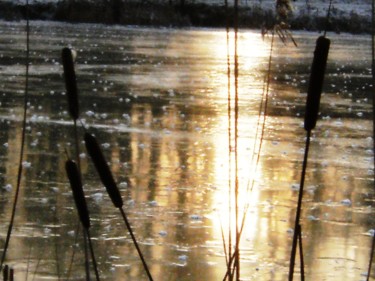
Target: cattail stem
(136,244)
(73,254)
(23,137)
(87,262)
(372,251)
(302,261)
(228,253)
(92,255)
(297,226)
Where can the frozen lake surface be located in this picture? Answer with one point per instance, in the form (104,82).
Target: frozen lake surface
(157,99)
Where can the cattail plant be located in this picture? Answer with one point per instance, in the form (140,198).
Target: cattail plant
(108,181)
(80,201)
(68,57)
(311,115)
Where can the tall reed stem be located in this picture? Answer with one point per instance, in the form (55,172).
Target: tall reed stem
(297,226)
(87,262)
(236,114)
(92,254)
(373,119)
(136,244)
(20,166)
(229,112)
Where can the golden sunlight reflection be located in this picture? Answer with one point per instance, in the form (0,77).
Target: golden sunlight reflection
(165,131)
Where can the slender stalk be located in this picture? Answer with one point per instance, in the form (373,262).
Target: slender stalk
(373,118)
(229,252)
(74,252)
(36,268)
(300,245)
(92,255)
(56,243)
(87,262)
(224,245)
(236,114)
(327,17)
(20,166)
(135,243)
(299,207)
(28,263)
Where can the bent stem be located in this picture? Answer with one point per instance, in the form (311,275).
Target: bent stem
(20,166)
(373,120)
(92,255)
(87,263)
(297,226)
(136,244)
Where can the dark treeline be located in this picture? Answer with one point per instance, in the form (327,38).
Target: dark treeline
(175,13)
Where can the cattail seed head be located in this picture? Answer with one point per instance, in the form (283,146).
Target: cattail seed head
(68,57)
(103,170)
(78,195)
(316,82)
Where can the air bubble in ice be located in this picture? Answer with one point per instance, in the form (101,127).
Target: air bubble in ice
(295,186)
(346,202)
(195,217)
(8,187)
(26,164)
(312,218)
(106,145)
(153,203)
(123,184)
(97,197)
(183,257)
(90,113)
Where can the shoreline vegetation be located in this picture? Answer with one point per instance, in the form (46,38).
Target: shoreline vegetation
(173,14)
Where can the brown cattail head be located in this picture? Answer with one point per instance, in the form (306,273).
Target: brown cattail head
(79,197)
(103,170)
(316,82)
(70,82)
